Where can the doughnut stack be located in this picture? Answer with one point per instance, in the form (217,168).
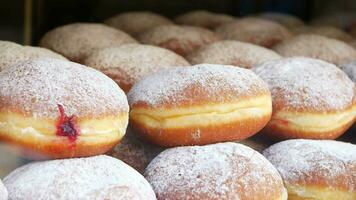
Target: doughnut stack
(143,107)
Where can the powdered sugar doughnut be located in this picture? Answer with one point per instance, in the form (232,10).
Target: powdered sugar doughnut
(314,169)
(254,30)
(129,63)
(60,109)
(180,39)
(203,18)
(99,178)
(311,98)
(214,172)
(11,53)
(327,31)
(350,69)
(201,104)
(134,23)
(289,21)
(3,192)
(229,52)
(316,46)
(76,41)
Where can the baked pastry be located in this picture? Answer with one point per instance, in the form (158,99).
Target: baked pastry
(11,53)
(136,22)
(135,152)
(76,41)
(289,21)
(180,39)
(349,69)
(315,169)
(328,31)
(198,105)
(343,20)
(129,63)
(316,46)
(311,98)
(98,177)
(58,109)
(229,52)
(254,30)
(3,192)
(203,18)
(220,171)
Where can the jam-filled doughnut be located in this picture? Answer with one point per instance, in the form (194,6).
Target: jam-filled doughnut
(311,98)
(289,21)
(75,41)
(254,30)
(136,22)
(315,169)
(201,104)
(203,18)
(350,69)
(98,177)
(220,171)
(229,52)
(328,31)
(3,192)
(180,39)
(11,53)
(316,46)
(129,63)
(57,109)
(135,152)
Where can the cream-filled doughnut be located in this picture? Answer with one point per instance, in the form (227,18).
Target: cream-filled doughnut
(317,46)
(254,30)
(315,169)
(11,53)
(98,177)
(136,22)
(220,171)
(230,52)
(311,98)
(129,63)
(203,18)
(180,39)
(3,192)
(75,41)
(327,31)
(57,109)
(350,69)
(201,104)
(289,21)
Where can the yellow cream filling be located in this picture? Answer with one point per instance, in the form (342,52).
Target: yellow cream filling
(299,192)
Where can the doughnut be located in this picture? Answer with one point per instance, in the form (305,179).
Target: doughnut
(180,39)
(316,46)
(52,108)
(3,192)
(221,171)
(343,20)
(328,31)
(99,177)
(135,152)
(349,69)
(353,44)
(203,18)
(289,21)
(11,53)
(254,30)
(198,105)
(315,169)
(229,52)
(129,63)
(134,23)
(311,98)
(75,41)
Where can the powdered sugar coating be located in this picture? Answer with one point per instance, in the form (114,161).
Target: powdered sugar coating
(36,87)
(219,171)
(289,21)
(210,83)
(3,192)
(80,178)
(350,69)
(317,46)
(136,22)
(134,61)
(254,30)
(306,84)
(76,41)
(322,162)
(204,19)
(231,52)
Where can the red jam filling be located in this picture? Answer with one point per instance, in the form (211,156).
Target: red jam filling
(67,125)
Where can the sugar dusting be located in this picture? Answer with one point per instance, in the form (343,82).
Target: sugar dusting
(299,160)
(36,87)
(218,171)
(350,69)
(3,192)
(204,19)
(307,83)
(72,179)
